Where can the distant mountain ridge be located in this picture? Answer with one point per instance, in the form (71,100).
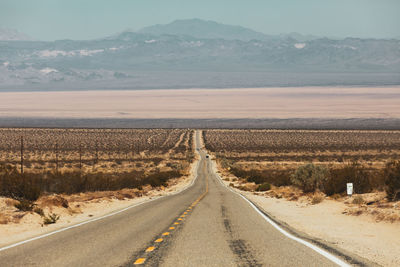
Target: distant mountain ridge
(155,56)
(203,29)
(207,29)
(13,35)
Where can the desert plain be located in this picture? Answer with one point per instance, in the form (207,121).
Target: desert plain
(283,102)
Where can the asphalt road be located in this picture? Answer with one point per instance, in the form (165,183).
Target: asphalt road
(205,225)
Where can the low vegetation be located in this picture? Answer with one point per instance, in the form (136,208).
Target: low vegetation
(331,181)
(310,177)
(392,180)
(311,160)
(35,162)
(263,187)
(51,218)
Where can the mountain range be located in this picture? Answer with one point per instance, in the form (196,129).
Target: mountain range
(13,35)
(195,53)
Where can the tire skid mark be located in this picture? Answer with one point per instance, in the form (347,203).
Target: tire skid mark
(238,246)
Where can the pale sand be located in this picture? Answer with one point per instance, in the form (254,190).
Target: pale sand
(361,235)
(31,224)
(302,102)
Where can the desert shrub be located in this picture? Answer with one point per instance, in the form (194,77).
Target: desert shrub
(336,183)
(38,211)
(263,187)
(274,177)
(317,199)
(51,218)
(24,205)
(362,179)
(160,178)
(310,177)
(19,186)
(225,163)
(29,186)
(255,176)
(392,180)
(358,200)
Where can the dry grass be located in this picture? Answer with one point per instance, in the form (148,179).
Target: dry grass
(68,161)
(379,211)
(317,198)
(289,148)
(115,150)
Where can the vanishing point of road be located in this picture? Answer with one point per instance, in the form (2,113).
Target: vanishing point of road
(205,225)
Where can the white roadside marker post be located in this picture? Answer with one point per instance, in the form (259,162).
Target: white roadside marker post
(350,189)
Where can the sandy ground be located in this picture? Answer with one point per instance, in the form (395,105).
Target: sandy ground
(362,235)
(302,102)
(378,242)
(31,224)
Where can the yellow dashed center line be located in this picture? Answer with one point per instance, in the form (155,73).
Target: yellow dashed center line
(140,261)
(150,249)
(159,240)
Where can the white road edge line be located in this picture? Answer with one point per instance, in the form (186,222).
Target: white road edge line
(104,216)
(317,249)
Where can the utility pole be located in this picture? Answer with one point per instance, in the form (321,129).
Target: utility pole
(57,157)
(22,154)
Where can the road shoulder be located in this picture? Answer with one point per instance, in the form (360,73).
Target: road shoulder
(30,225)
(364,242)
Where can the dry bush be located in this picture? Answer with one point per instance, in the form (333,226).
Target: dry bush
(38,211)
(24,205)
(263,187)
(317,198)
(392,180)
(310,177)
(51,218)
(3,219)
(364,180)
(18,186)
(31,186)
(358,200)
(54,200)
(274,177)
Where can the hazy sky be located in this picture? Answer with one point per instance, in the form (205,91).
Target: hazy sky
(87,19)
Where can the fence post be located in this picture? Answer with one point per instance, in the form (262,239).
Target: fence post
(57,157)
(22,154)
(97,152)
(80,157)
